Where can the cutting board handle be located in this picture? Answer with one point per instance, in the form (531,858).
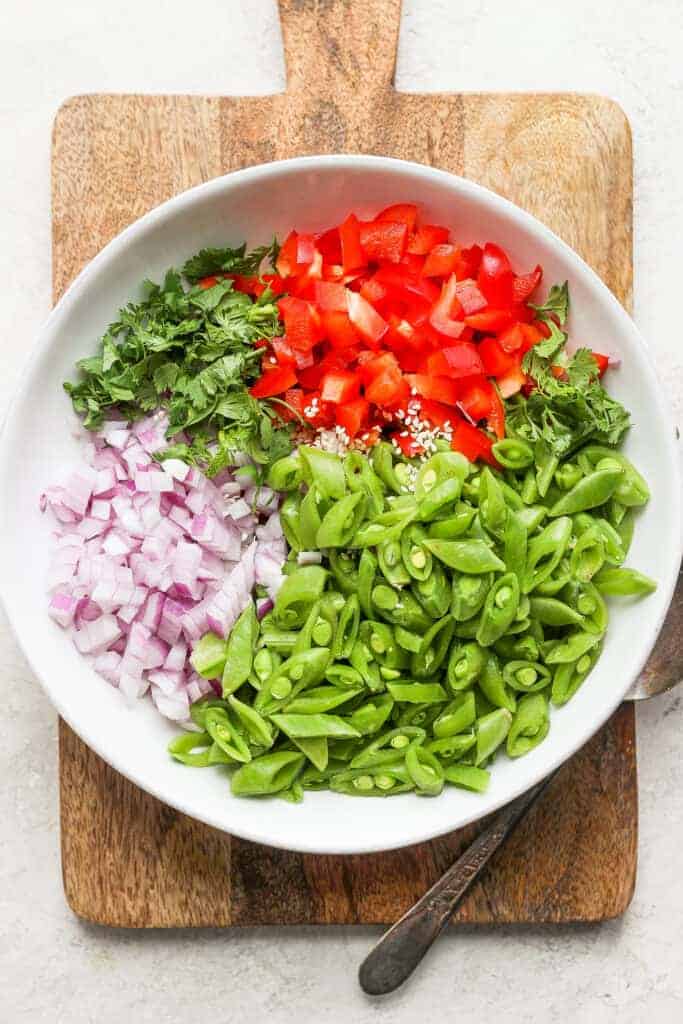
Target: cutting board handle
(340,50)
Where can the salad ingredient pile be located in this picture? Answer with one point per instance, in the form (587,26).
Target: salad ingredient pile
(148,558)
(428,617)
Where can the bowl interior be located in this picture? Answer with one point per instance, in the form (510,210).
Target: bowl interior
(39,443)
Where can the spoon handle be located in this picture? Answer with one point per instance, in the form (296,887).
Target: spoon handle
(401,948)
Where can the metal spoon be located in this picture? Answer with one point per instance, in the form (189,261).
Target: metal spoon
(400,950)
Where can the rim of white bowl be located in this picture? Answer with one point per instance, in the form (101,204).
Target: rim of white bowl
(262,171)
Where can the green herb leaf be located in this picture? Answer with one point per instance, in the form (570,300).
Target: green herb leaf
(556,305)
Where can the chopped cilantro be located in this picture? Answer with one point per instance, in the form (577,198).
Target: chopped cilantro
(569,410)
(192,351)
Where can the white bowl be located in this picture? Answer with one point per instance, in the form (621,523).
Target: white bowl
(38,442)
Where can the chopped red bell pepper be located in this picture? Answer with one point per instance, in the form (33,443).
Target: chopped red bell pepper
(470,298)
(400,213)
(425,238)
(496,361)
(512,381)
(283,352)
(367,321)
(286,264)
(524,285)
(476,399)
(273,382)
(441,261)
(443,317)
(330,296)
(339,330)
(495,278)
(383,240)
(439,389)
(339,386)
(463,359)
(489,320)
(353,256)
(208,282)
(353,416)
(472,443)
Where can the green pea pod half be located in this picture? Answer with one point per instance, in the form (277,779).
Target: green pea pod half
(526,676)
(297,593)
(371,716)
(551,612)
(400,608)
(367,571)
(568,475)
(491,730)
(569,676)
(313,725)
(208,656)
(191,748)
(467,777)
(312,509)
(267,774)
(290,519)
(439,468)
(468,594)
(456,717)
(253,724)
(295,674)
(240,650)
(451,748)
(469,556)
(588,555)
(492,684)
(416,558)
(572,648)
(439,499)
(381,644)
(382,459)
(529,726)
(617,582)
(590,604)
(425,771)
(464,666)
(418,693)
(545,551)
(320,699)
(407,641)
(500,608)
(515,542)
(391,564)
(632,489)
(325,470)
(344,569)
(388,748)
(492,507)
(347,629)
(532,516)
(453,525)
(434,592)
(223,731)
(341,522)
(285,474)
(513,453)
(591,491)
(434,649)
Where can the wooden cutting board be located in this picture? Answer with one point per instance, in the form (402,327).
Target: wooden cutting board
(129,860)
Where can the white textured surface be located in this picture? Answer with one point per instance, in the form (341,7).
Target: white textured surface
(55,969)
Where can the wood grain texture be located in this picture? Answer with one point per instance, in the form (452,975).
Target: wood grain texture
(129,860)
